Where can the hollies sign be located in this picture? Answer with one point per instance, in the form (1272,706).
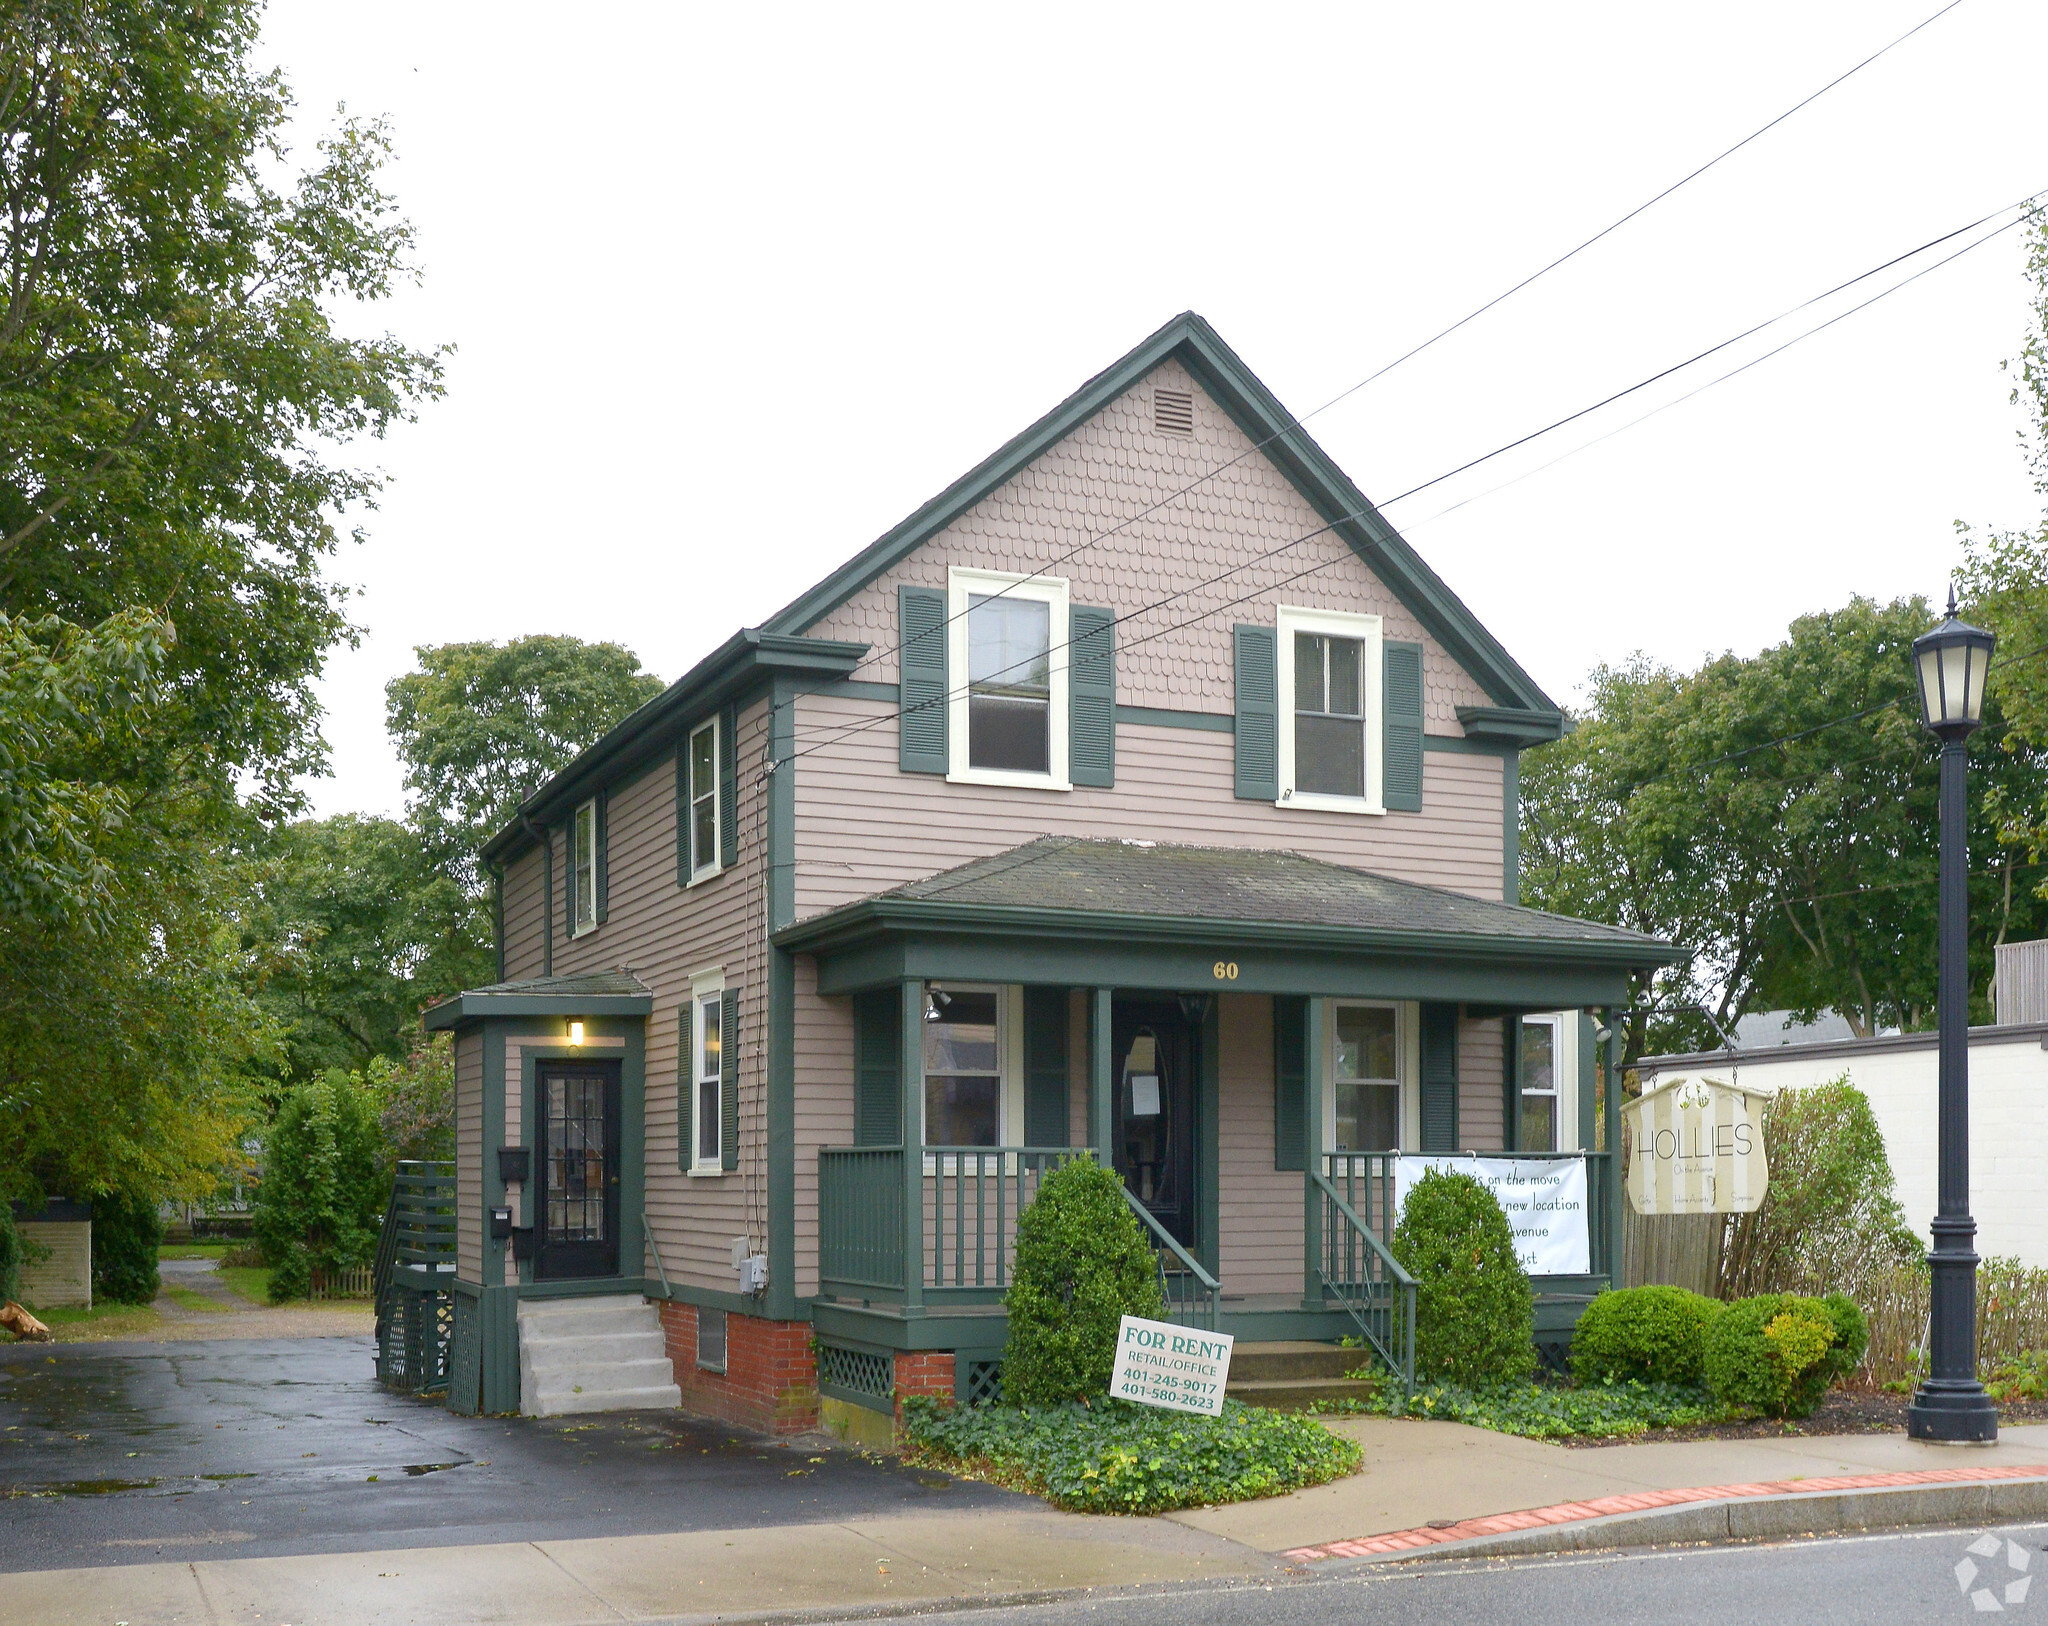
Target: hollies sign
(1696,1146)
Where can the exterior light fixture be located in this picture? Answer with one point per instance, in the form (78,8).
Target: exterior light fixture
(575,1032)
(1950,663)
(1950,1404)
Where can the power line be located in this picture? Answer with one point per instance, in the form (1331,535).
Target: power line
(842,731)
(1293,424)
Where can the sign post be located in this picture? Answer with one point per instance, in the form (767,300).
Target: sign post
(1178,1368)
(1696,1146)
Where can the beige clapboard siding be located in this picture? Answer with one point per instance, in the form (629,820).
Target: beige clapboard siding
(824,1103)
(1480,1059)
(1104,475)
(525,949)
(1259,1240)
(855,809)
(664,934)
(469,1157)
(63,1274)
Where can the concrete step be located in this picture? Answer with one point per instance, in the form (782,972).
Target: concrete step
(579,1311)
(1292,1358)
(1294,1394)
(652,1397)
(563,1376)
(627,1344)
(594,1354)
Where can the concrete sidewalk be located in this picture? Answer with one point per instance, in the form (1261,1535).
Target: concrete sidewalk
(1415,1473)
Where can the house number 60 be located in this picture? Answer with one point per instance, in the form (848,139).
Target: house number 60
(1226,970)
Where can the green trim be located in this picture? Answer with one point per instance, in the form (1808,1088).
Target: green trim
(1313,1085)
(1513,725)
(493,1130)
(1465,747)
(1511,827)
(460,1010)
(715,1298)
(1210,722)
(859,689)
(1234,387)
(779,1065)
(1209,1140)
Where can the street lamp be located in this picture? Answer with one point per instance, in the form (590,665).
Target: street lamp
(1951,1405)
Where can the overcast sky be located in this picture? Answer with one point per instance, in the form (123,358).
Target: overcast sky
(734,289)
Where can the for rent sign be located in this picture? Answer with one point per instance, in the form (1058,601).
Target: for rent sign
(1543,1198)
(1696,1146)
(1160,1364)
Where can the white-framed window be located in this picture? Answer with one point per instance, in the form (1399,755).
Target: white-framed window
(1006,720)
(1330,678)
(706,1040)
(1371,1046)
(702,812)
(1539,1086)
(583,866)
(973,1066)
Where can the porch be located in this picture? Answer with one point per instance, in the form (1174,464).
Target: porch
(1197,1015)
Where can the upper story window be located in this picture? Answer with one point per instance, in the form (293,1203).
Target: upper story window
(1329,704)
(1365,1078)
(583,866)
(1008,719)
(702,812)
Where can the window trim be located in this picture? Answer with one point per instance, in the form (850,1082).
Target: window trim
(1407,1058)
(1051,590)
(1561,1091)
(1009,1067)
(705,986)
(702,872)
(583,919)
(1369,630)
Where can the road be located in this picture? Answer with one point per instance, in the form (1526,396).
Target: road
(124,1453)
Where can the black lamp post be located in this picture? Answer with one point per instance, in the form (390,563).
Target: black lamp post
(1951,1405)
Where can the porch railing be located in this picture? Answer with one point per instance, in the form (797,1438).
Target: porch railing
(1362,1275)
(1193,1297)
(413,1279)
(1364,1181)
(966,1237)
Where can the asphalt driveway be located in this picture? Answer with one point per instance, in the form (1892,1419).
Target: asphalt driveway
(123,1453)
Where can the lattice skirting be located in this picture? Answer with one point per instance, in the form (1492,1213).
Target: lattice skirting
(978,1382)
(858,1376)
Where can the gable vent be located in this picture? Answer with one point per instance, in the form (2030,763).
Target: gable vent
(1173,412)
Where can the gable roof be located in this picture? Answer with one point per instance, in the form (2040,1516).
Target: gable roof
(1257,411)
(1055,882)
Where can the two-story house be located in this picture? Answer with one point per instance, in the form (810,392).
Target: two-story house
(1143,792)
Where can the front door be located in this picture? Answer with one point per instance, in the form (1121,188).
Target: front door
(579,1163)
(1154,1048)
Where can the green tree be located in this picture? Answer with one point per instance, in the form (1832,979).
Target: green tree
(324,1187)
(482,726)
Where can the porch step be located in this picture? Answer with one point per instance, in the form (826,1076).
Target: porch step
(1291,1359)
(593,1354)
(1294,1394)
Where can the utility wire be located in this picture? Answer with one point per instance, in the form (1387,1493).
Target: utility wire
(842,731)
(1293,424)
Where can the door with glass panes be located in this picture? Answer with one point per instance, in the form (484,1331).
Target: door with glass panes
(578,1223)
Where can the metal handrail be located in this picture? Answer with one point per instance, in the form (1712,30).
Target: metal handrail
(1208,1292)
(654,1248)
(1397,1352)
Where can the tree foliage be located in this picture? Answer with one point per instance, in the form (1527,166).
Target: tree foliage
(1475,1312)
(324,1188)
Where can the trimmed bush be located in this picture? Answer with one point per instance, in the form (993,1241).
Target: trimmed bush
(1778,1353)
(1115,1457)
(1643,1334)
(125,1237)
(322,1199)
(1083,1263)
(1475,1312)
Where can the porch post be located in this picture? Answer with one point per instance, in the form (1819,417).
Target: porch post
(1101,1102)
(1312,1158)
(912,1069)
(1610,1116)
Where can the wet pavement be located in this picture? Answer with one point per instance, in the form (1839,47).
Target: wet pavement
(122,1453)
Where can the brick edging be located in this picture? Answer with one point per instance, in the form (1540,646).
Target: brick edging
(1601,1507)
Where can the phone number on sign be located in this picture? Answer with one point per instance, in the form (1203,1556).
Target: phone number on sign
(1135,1387)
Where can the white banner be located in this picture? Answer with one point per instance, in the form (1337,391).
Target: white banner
(1543,1198)
(1180,1368)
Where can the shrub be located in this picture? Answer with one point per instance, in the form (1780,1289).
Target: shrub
(13,1249)
(125,1237)
(2024,1377)
(1779,1352)
(1116,1457)
(1544,1411)
(1475,1313)
(323,1193)
(1082,1265)
(1648,1334)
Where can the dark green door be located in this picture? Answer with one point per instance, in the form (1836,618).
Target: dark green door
(1154,1055)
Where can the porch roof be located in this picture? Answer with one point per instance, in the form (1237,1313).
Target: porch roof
(602,993)
(1146,914)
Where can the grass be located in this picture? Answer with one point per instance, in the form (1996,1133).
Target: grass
(192,1250)
(252,1282)
(75,1326)
(1555,1411)
(1115,1457)
(187,1299)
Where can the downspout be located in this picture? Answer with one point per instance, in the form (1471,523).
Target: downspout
(547,871)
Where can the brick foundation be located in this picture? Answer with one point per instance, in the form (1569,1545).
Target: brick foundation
(923,1372)
(770,1381)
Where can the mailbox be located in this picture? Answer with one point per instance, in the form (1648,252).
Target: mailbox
(515,1164)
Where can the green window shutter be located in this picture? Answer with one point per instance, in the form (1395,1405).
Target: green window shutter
(1290,1081)
(1045,1067)
(1439,1077)
(568,877)
(1401,728)
(729,1079)
(728,785)
(921,729)
(1091,696)
(600,879)
(686,1091)
(877,1081)
(1258,716)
